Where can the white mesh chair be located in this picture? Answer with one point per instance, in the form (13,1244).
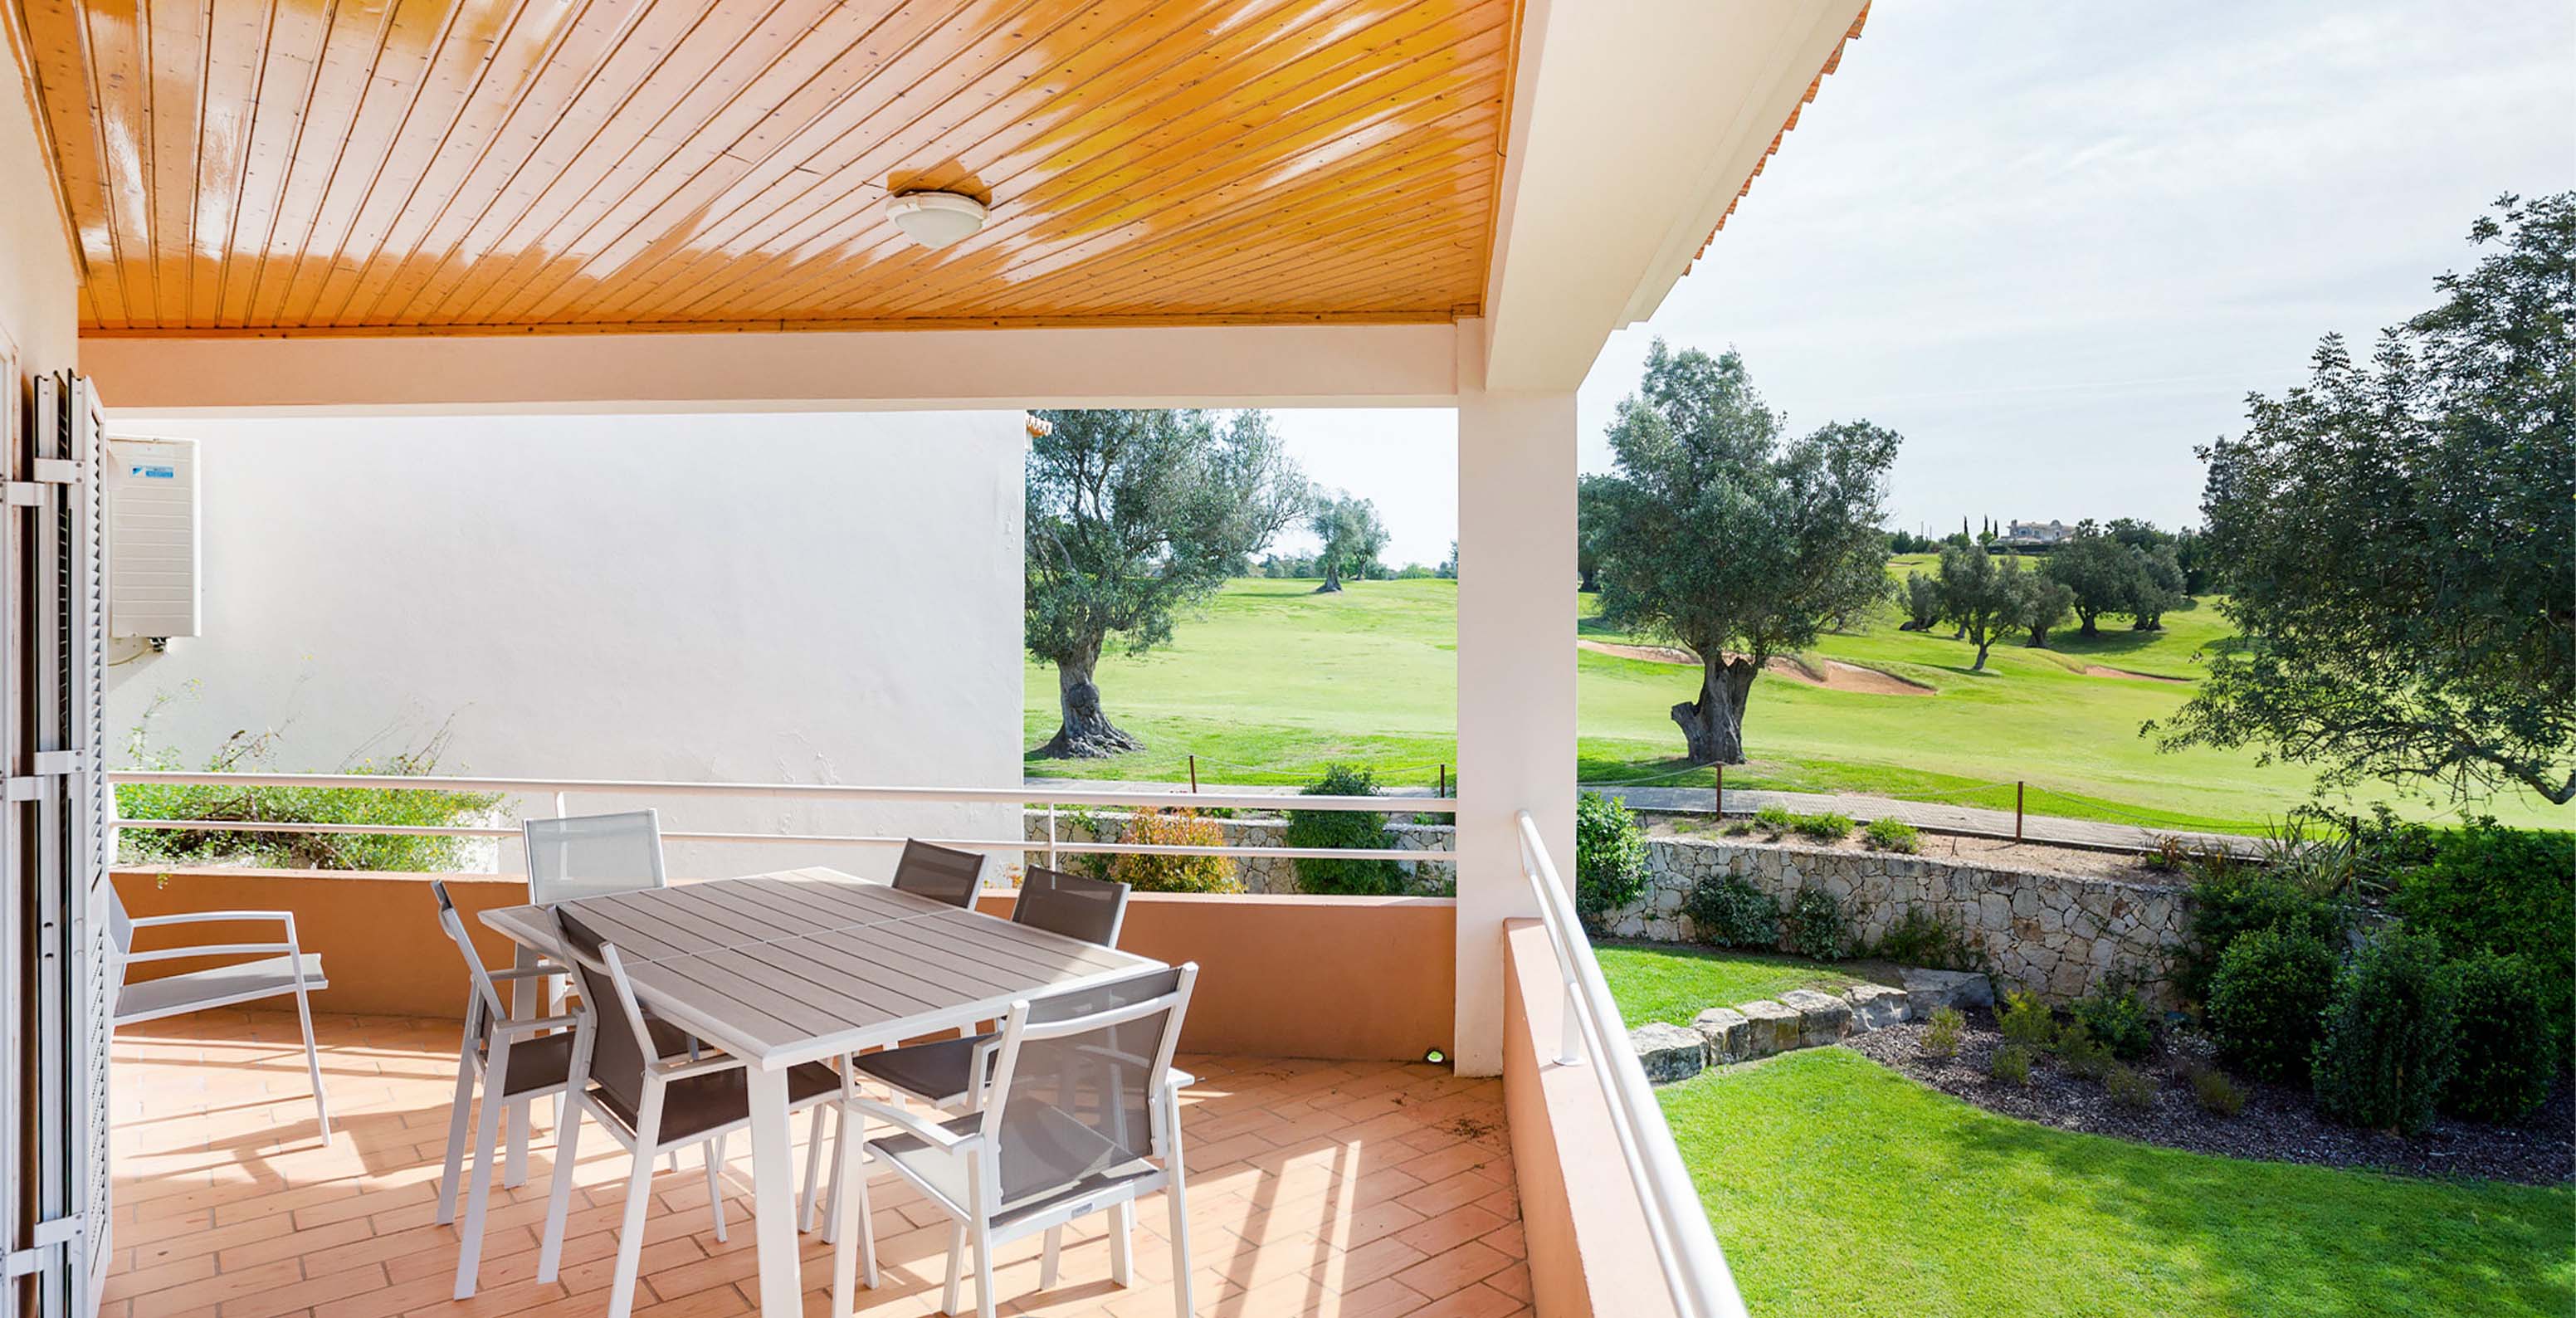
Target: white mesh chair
(592,855)
(648,1096)
(1079,1118)
(514,1062)
(283,968)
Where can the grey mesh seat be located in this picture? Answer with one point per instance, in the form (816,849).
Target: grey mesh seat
(514,1062)
(592,855)
(940,873)
(649,1097)
(282,968)
(1080,1117)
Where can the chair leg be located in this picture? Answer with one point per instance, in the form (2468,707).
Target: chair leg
(313,1061)
(1180,1206)
(859,1248)
(639,1197)
(487,1150)
(1122,1244)
(813,1170)
(715,1191)
(514,1173)
(559,1194)
(459,1116)
(984,1302)
(956,1268)
(1051,1258)
(841,1124)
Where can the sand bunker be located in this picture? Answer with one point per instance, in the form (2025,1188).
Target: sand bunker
(2097,670)
(1839,676)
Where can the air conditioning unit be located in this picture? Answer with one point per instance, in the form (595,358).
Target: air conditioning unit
(152,543)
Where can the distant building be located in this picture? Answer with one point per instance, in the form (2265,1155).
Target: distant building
(2034,534)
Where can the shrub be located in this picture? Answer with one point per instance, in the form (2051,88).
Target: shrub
(1167,873)
(2168,856)
(2390,1034)
(256,753)
(2130,1088)
(2266,1000)
(1827,827)
(2231,900)
(2505,890)
(1774,820)
(1609,857)
(2082,1054)
(2508,1057)
(1893,835)
(1731,912)
(2024,1019)
(1941,1037)
(2011,1064)
(1739,828)
(1338,828)
(1817,927)
(2118,1019)
(1917,938)
(2211,1088)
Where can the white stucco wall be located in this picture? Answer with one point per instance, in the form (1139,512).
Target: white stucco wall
(816,598)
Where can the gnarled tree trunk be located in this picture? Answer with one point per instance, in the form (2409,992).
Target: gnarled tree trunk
(1332,575)
(1086,732)
(1713,725)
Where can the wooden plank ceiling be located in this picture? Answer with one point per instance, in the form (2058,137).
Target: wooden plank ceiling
(504,165)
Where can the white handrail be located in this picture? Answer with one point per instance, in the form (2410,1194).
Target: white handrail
(818,792)
(1694,1268)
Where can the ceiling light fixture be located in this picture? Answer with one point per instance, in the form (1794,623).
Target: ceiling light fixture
(935,219)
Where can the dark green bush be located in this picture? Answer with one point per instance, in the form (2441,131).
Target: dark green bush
(2118,1019)
(2024,1019)
(1609,857)
(2082,1054)
(1827,827)
(256,753)
(2390,1034)
(2267,999)
(2508,1056)
(1941,1037)
(1918,938)
(1350,829)
(2212,1089)
(1731,912)
(1893,835)
(1817,926)
(1774,820)
(2011,1064)
(2230,900)
(2505,890)
(2130,1089)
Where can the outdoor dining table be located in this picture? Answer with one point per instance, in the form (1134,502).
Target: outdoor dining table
(805,965)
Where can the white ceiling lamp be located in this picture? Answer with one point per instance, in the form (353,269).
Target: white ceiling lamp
(935,219)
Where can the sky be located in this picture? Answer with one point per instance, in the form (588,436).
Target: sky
(2054,246)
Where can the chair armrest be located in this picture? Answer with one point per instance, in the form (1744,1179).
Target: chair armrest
(683,1067)
(210,949)
(211,917)
(527,972)
(938,1135)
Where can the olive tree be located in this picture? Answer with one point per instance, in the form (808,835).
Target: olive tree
(1982,593)
(1922,599)
(1133,515)
(2399,540)
(1721,536)
(1351,534)
(2041,604)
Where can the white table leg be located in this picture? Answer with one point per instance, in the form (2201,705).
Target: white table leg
(773,1195)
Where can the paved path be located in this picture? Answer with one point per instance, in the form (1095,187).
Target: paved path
(1972,821)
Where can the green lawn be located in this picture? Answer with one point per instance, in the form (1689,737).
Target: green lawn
(1838,1187)
(1660,982)
(1273,681)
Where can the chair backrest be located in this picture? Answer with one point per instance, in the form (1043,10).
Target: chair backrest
(120,929)
(620,1046)
(1078,1078)
(939,873)
(486,1006)
(1072,905)
(592,855)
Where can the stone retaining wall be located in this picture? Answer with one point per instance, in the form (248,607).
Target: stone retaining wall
(2059,935)
(1259,874)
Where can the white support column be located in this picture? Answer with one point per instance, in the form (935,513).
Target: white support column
(1516,725)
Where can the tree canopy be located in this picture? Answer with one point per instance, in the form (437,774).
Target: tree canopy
(1133,515)
(1980,592)
(2400,539)
(1720,535)
(1351,533)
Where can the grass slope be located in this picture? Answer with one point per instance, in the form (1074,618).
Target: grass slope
(1273,681)
(1837,1187)
(1660,982)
